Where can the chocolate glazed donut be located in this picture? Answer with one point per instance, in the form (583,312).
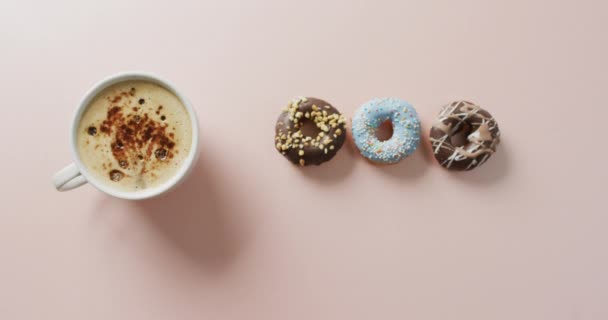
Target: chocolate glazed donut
(306,150)
(477,125)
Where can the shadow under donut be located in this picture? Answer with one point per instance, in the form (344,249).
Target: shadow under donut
(412,167)
(336,169)
(492,171)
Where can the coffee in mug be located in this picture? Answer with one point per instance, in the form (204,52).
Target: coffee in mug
(134,136)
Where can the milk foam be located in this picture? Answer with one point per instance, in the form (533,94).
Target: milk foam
(134,135)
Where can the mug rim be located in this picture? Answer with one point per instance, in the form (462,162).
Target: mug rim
(84,103)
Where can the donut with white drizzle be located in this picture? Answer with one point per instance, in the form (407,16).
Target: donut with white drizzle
(476,124)
(406,130)
(300,148)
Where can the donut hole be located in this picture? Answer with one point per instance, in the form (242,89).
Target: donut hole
(460,137)
(385,130)
(309,128)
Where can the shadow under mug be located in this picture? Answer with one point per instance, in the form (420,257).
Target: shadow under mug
(76,174)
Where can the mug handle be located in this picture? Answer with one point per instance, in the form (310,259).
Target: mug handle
(68,178)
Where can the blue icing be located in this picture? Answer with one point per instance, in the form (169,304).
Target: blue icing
(406,130)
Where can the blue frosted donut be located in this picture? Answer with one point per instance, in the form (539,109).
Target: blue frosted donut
(406,130)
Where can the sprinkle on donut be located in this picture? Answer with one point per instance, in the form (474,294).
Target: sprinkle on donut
(406,130)
(302,149)
(472,122)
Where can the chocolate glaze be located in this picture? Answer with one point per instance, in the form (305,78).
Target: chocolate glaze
(477,125)
(310,150)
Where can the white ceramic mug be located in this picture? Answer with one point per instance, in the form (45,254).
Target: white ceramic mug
(76,174)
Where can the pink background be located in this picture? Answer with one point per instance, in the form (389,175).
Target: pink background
(249,236)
